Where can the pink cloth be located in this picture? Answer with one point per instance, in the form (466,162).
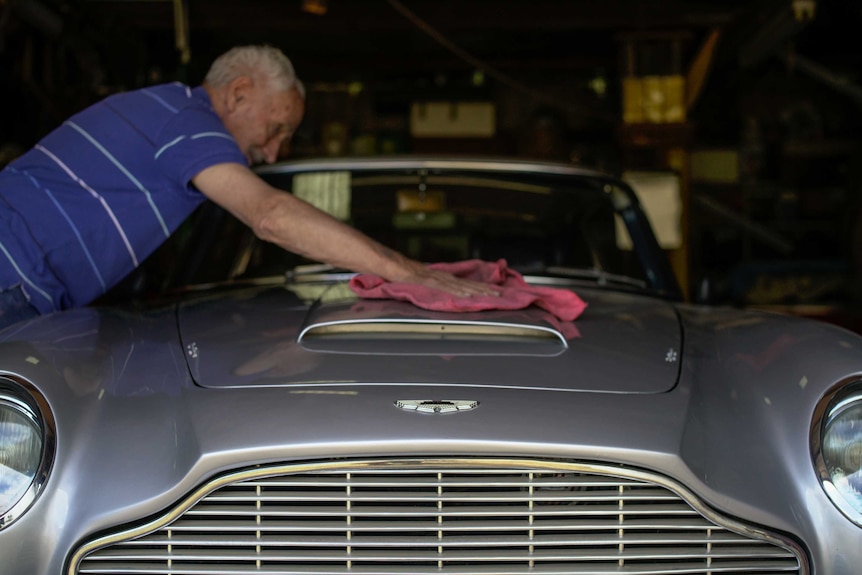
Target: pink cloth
(515,293)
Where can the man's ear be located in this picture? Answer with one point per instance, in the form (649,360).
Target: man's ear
(238,92)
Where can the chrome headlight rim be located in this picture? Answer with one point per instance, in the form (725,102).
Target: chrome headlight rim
(844,396)
(25,399)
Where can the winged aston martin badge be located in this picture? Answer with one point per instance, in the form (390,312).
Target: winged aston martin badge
(436,405)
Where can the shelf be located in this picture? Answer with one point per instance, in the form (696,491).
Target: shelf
(821,148)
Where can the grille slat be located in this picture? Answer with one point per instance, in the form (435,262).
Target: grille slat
(744,568)
(358,525)
(598,554)
(356,542)
(453,512)
(360,497)
(396,478)
(412,518)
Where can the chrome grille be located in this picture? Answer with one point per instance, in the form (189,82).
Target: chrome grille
(458,517)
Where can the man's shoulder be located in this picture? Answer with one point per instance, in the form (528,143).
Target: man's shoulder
(161,111)
(171,97)
(178,89)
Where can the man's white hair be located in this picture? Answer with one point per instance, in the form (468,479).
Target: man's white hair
(254,61)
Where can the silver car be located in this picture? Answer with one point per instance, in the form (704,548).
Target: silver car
(237,410)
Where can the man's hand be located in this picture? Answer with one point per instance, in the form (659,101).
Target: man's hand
(447,282)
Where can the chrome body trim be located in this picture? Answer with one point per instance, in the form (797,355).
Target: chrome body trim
(437,328)
(440,465)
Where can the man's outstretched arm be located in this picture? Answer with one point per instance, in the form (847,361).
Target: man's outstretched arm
(299,227)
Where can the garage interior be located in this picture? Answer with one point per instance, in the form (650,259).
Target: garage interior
(750,110)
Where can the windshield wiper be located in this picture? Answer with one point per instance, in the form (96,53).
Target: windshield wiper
(317,273)
(601,277)
(313,273)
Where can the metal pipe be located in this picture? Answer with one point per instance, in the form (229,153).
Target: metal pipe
(823,74)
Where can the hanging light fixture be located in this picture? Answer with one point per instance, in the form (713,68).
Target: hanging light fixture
(318,7)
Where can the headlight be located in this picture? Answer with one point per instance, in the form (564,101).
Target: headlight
(841,453)
(25,450)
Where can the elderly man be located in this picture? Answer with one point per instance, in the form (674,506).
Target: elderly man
(96,196)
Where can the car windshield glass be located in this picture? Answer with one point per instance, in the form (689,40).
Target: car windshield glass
(544,225)
(535,223)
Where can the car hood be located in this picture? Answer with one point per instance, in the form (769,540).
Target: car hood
(324,336)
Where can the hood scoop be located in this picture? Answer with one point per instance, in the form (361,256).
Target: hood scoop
(393,336)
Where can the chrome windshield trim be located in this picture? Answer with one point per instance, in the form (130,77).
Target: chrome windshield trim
(429,163)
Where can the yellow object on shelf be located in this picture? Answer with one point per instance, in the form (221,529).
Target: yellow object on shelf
(452,120)
(654,99)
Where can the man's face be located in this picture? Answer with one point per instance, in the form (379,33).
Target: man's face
(262,119)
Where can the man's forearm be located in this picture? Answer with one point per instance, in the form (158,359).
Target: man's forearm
(301,228)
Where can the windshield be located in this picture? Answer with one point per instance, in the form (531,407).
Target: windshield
(545,225)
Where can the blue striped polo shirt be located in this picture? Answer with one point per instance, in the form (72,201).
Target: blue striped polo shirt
(96,196)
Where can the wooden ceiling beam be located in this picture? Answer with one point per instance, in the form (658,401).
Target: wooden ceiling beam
(350,17)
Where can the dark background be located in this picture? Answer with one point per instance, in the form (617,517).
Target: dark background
(775,85)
